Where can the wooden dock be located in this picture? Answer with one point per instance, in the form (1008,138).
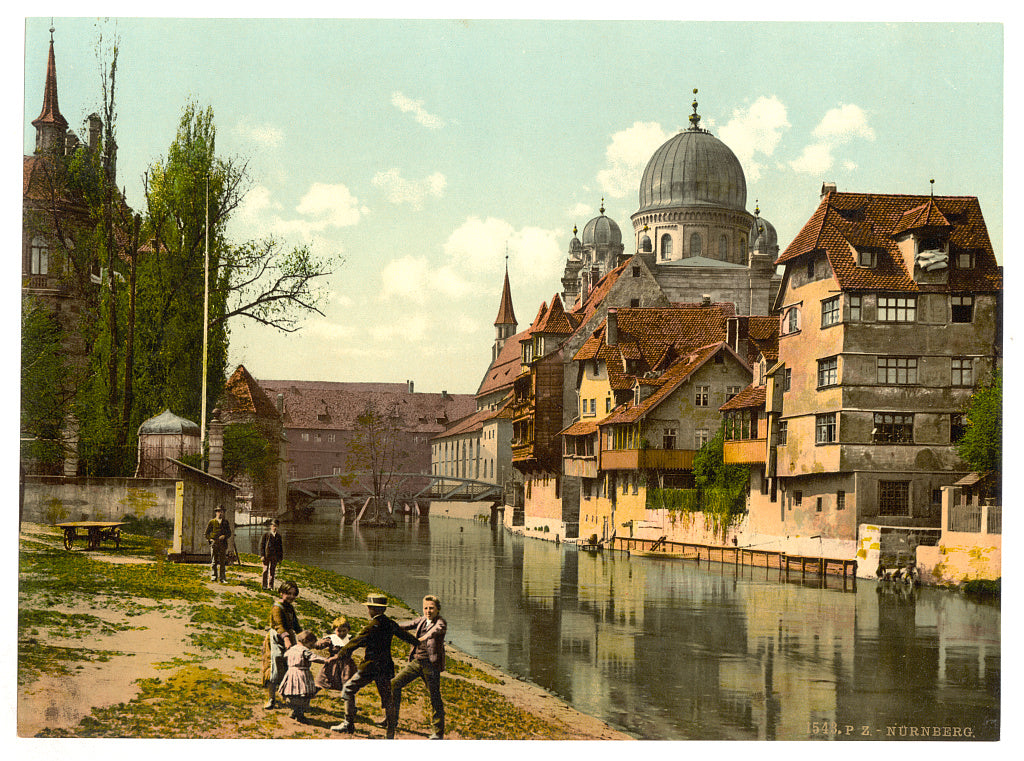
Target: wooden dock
(789,566)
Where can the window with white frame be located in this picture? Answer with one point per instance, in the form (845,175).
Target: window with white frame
(791,320)
(668,438)
(783,432)
(701,437)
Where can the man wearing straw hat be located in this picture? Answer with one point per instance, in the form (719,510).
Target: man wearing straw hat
(377,665)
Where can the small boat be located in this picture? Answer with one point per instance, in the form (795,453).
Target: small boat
(589,547)
(689,555)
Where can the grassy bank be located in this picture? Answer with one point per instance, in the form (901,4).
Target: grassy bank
(122,643)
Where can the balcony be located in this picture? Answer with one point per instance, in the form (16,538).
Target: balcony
(643,459)
(745,452)
(581,466)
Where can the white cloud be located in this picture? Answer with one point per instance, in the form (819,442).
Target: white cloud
(836,128)
(627,155)
(330,206)
(849,166)
(412,328)
(841,124)
(815,159)
(581,211)
(755,130)
(406,279)
(263,135)
(400,190)
(479,246)
(407,105)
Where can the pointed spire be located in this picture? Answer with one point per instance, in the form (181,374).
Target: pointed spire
(50,125)
(506,315)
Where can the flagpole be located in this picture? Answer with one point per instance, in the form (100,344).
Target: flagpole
(206,311)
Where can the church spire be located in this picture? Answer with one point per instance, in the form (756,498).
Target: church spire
(505,323)
(50,125)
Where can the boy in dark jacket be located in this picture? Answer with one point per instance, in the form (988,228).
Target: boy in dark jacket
(271,554)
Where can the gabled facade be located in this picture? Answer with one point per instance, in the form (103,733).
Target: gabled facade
(890,313)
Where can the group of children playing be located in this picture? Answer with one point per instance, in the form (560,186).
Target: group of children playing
(298,686)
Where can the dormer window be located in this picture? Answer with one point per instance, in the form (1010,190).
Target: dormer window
(965,260)
(931,244)
(867,257)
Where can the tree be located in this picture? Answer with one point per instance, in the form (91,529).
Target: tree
(981,446)
(190,196)
(378,449)
(44,394)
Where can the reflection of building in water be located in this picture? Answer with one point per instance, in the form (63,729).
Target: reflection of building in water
(788,627)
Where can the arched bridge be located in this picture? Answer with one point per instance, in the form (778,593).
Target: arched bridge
(407,488)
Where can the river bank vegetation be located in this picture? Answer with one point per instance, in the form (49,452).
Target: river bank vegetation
(123,643)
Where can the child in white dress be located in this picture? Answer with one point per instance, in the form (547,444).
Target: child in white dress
(298,687)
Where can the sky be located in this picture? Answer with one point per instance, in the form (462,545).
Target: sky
(422,152)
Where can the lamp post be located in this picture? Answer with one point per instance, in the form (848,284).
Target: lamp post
(206,314)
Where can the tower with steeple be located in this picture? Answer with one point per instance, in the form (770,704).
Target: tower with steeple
(505,323)
(50,125)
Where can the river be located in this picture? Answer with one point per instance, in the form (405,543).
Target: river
(672,650)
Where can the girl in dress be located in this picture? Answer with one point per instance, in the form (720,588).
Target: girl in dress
(337,669)
(298,687)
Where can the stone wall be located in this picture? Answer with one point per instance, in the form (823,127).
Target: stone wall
(55,499)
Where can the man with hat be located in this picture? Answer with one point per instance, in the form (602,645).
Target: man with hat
(377,665)
(218,531)
(271,554)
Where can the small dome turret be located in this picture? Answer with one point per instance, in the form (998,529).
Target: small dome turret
(602,231)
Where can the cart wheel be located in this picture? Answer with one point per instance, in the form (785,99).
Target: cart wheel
(69,538)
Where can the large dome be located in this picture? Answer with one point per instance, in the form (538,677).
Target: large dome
(601,231)
(694,168)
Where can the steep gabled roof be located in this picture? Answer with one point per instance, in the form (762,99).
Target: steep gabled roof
(668,382)
(553,319)
(472,422)
(652,338)
(243,394)
(844,222)
(505,367)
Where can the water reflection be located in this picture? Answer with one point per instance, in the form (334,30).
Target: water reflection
(670,650)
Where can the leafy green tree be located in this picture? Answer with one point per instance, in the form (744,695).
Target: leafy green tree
(379,449)
(981,446)
(44,393)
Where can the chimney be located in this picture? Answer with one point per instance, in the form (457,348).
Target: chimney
(409,382)
(611,333)
(705,300)
(827,187)
(280,404)
(95,126)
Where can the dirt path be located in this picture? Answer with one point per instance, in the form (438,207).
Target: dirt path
(62,701)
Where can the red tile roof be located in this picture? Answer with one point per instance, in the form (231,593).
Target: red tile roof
(670,380)
(506,367)
(328,406)
(844,221)
(468,424)
(553,319)
(580,428)
(751,396)
(651,338)
(242,394)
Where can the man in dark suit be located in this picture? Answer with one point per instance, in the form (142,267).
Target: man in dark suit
(377,665)
(426,661)
(218,531)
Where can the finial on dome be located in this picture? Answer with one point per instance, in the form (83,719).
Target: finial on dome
(602,206)
(574,231)
(757,208)
(694,117)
